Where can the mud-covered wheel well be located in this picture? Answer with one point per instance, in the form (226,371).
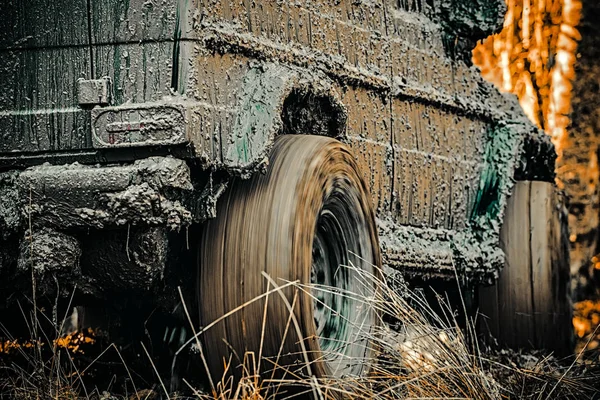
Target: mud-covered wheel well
(305,112)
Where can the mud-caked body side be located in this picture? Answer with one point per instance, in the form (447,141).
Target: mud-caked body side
(422,124)
(204,86)
(44,52)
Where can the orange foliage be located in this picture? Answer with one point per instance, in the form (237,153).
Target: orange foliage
(586,321)
(71,342)
(533,57)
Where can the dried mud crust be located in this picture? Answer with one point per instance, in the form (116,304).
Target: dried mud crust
(100,228)
(310,204)
(79,196)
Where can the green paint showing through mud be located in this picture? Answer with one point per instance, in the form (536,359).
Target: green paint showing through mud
(117,89)
(242,147)
(504,143)
(261,96)
(488,196)
(487,199)
(177,83)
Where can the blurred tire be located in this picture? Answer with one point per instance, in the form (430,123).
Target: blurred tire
(307,220)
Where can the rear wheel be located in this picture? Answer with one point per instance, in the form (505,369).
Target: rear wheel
(308,219)
(529,306)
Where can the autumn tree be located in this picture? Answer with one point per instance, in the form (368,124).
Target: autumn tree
(537,57)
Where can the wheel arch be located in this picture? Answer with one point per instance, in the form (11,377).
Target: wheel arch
(276,99)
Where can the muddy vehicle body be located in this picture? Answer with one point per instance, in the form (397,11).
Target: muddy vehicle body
(124,125)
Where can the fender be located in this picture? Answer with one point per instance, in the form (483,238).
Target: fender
(259,117)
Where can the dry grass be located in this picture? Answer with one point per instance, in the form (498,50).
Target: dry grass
(421,355)
(424,356)
(49,371)
(535,375)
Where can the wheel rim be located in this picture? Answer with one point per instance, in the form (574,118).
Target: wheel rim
(329,258)
(341,252)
